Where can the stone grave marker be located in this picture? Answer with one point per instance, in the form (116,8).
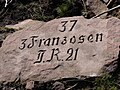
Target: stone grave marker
(69,47)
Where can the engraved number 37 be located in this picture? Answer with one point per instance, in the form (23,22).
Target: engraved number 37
(64,25)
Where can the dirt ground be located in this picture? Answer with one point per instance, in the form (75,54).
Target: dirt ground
(44,10)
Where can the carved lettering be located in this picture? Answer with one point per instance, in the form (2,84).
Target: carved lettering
(74,23)
(23,44)
(99,37)
(55,53)
(76,53)
(64,26)
(90,38)
(47,42)
(55,41)
(40,56)
(40,43)
(72,54)
(64,41)
(81,39)
(33,42)
(73,40)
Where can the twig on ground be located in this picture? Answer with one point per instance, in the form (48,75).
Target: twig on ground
(7,2)
(116,7)
(85,8)
(109,2)
(3,12)
(71,87)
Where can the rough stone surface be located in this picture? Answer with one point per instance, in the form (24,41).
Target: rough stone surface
(58,86)
(26,24)
(97,6)
(106,1)
(62,48)
(29,85)
(4,32)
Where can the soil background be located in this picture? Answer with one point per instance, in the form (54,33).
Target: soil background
(45,10)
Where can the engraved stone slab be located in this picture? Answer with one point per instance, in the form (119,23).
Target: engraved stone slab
(62,48)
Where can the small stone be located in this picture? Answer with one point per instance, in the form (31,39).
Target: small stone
(29,85)
(97,7)
(58,86)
